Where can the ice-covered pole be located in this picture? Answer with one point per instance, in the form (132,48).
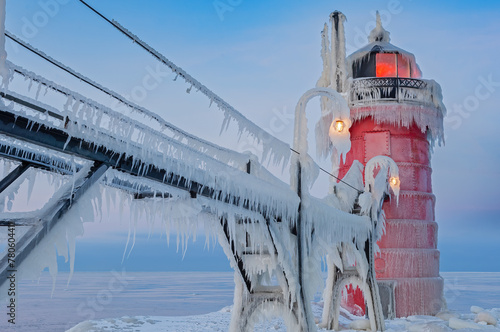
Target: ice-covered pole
(337,135)
(4,71)
(303,174)
(333,76)
(338,66)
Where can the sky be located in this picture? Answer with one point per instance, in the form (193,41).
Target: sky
(261,56)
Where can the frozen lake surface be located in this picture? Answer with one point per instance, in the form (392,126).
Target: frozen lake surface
(98,295)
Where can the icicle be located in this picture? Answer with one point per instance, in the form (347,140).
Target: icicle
(38,91)
(428,118)
(31,182)
(30,85)
(128,237)
(7,166)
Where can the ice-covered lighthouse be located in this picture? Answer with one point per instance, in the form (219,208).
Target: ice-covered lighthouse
(397,113)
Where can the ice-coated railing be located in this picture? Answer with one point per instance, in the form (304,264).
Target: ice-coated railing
(386,89)
(401,102)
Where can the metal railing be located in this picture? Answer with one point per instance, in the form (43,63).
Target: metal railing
(386,89)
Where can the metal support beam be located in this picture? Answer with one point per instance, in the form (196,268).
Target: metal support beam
(36,233)
(298,227)
(304,305)
(13,176)
(22,128)
(19,222)
(37,160)
(237,258)
(34,107)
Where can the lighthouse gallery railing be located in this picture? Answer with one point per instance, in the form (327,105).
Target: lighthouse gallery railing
(365,91)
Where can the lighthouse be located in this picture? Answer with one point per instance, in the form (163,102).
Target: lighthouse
(397,113)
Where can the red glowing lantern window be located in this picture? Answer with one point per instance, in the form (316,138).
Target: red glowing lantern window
(386,65)
(403,67)
(392,65)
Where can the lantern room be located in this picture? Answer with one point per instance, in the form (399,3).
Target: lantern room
(382,59)
(380,62)
(382,71)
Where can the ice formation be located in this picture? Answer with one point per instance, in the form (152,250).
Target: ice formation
(428,119)
(344,194)
(485,317)
(386,169)
(334,72)
(475,309)
(197,143)
(360,325)
(458,324)
(379,34)
(93,113)
(219,320)
(339,142)
(268,230)
(92,122)
(60,240)
(337,243)
(276,149)
(37,154)
(333,76)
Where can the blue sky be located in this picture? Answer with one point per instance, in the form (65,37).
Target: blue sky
(261,56)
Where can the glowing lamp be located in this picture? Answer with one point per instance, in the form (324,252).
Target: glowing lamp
(339,126)
(394,181)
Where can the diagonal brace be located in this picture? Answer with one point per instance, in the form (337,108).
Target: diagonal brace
(35,234)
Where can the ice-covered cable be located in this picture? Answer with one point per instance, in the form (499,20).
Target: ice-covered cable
(76,100)
(209,148)
(330,174)
(276,149)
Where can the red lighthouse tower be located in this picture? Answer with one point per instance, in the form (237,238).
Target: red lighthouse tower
(396,113)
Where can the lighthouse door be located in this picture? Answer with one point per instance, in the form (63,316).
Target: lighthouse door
(377,143)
